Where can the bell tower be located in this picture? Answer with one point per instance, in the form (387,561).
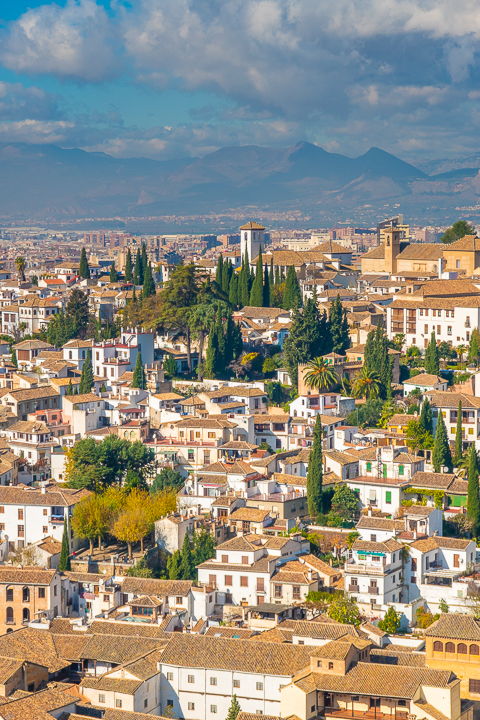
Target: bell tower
(392,249)
(252,237)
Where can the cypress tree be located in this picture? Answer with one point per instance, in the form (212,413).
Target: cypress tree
(339,327)
(245,282)
(233,291)
(134,296)
(84,270)
(425,419)
(473,503)
(272,272)
(187,564)
(292,296)
(144,259)
(369,352)
(229,338)
(237,341)
(113,274)
(315,472)
(234,709)
(256,294)
(266,288)
(173,565)
(138,380)
(148,283)
(277,276)
(86,378)
(128,267)
(64,561)
(70,387)
(219,271)
(226,277)
(432,360)
(220,365)
(441,454)
(211,360)
(458,435)
(14,358)
(138,272)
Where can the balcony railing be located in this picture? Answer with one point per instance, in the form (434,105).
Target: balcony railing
(372,590)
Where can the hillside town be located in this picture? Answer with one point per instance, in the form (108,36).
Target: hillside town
(239,474)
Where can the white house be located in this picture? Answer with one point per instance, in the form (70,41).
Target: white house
(373,573)
(424,383)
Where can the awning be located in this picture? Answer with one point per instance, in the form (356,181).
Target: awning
(443,573)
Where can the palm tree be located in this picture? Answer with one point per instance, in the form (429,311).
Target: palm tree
(461,349)
(320,375)
(367,384)
(21,264)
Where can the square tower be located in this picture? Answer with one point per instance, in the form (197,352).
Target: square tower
(251,239)
(392,248)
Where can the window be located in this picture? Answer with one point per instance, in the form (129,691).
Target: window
(450,647)
(26,594)
(260,584)
(228,580)
(259,686)
(312,709)
(179,600)
(55,590)
(9,594)
(402,703)
(118,703)
(169,676)
(296,591)
(462,648)
(473,649)
(191,706)
(369,466)
(191,678)
(45,530)
(213,681)
(244,560)
(45,511)
(2,508)
(388,496)
(330,666)
(9,618)
(145,702)
(373,538)
(213,709)
(437,646)
(474,686)
(401,470)
(41,592)
(21,531)
(243,581)
(236,683)
(319,663)
(101,698)
(20,514)
(224,558)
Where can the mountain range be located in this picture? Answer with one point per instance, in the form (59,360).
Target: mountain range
(46,182)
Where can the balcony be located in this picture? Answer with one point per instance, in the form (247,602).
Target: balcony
(372,714)
(57,519)
(372,590)
(354,588)
(353,568)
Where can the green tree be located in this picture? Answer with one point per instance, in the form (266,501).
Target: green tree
(64,561)
(256,294)
(144,260)
(391,622)
(14,358)
(339,327)
(474,347)
(138,271)
(441,455)
(432,360)
(244,289)
(315,472)
(367,384)
(292,295)
(70,387)
(203,546)
(187,563)
(458,435)
(234,709)
(344,502)
(425,419)
(473,502)
(219,270)
(212,358)
(128,267)
(378,360)
(170,366)
(457,231)
(76,315)
(148,283)
(138,380)
(167,478)
(173,565)
(366,415)
(266,287)
(113,273)
(21,264)
(344,609)
(309,337)
(84,270)
(86,378)
(320,375)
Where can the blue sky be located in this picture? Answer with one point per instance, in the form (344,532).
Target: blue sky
(175,78)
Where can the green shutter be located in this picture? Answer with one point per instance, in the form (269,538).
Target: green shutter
(388,497)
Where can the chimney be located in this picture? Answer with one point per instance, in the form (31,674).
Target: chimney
(369,512)
(44,490)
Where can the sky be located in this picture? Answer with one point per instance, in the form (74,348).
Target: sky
(175,78)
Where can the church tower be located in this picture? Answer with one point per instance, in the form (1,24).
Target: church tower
(251,239)
(392,248)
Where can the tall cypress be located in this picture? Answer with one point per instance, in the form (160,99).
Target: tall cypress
(473,503)
(187,564)
(128,267)
(245,282)
(221,342)
(86,378)
(425,419)
(138,272)
(226,277)
(277,276)
(138,380)
(229,338)
(272,272)
(432,359)
(339,327)
(113,273)
(441,455)
(219,271)
(256,294)
(64,561)
(84,270)
(292,296)
(144,259)
(233,291)
(458,435)
(211,360)
(148,283)
(266,288)
(315,472)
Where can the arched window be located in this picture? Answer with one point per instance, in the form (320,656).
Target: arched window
(26,615)
(462,648)
(9,594)
(450,647)
(369,466)
(9,615)
(26,594)
(474,650)
(437,646)
(9,630)
(401,470)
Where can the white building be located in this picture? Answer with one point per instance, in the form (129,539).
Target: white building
(373,573)
(252,237)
